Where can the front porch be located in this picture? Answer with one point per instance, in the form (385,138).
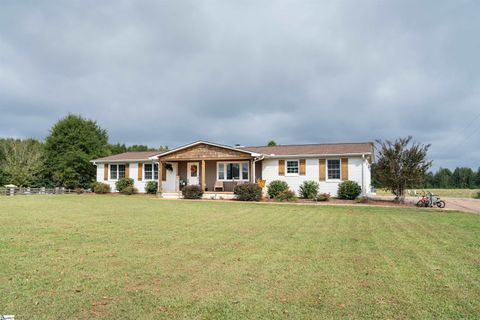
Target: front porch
(217,169)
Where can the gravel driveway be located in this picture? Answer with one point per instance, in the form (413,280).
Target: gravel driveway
(463,204)
(460,204)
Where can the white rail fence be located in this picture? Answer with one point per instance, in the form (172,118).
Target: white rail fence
(34,191)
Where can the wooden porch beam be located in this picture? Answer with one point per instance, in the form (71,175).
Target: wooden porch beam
(203,175)
(252,171)
(160,171)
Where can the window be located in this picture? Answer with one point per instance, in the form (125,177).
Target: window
(193,170)
(150,171)
(232,170)
(113,172)
(245,171)
(292,167)
(221,171)
(333,169)
(117,171)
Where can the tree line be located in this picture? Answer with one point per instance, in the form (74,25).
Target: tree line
(460,178)
(444,178)
(63,159)
(403,164)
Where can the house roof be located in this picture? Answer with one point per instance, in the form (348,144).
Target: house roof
(280,150)
(208,143)
(314,149)
(131,156)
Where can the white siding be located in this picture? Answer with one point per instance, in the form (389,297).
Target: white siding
(270,173)
(140,185)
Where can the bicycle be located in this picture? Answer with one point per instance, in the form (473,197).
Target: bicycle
(430,200)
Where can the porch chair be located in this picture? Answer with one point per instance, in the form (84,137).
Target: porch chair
(218,185)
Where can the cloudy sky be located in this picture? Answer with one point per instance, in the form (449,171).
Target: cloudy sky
(170,72)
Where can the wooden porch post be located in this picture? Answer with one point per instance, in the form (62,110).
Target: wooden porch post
(160,171)
(252,171)
(203,175)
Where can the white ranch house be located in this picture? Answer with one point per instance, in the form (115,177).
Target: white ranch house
(218,168)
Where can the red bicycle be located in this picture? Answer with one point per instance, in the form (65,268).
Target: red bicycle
(423,202)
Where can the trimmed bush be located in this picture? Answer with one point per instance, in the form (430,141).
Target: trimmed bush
(129,190)
(101,188)
(123,183)
(286,196)
(349,190)
(248,192)
(276,187)
(309,189)
(323,197)
(151,187)
(192,192)
(361,200)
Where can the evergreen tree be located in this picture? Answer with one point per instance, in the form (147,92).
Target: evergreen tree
(443,178)
(117,148)
(464,178)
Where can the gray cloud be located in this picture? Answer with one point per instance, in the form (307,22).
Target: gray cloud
(169,72)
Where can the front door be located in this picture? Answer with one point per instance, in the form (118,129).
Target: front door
(192,173)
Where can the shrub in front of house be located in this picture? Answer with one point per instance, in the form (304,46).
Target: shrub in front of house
(129,190)
(101,188)
(286,196)
(151,187)
(349,190)
(276,187)
(309,189)
(323,197)
(123,183)
(192,192)
(248,192)
(361,200)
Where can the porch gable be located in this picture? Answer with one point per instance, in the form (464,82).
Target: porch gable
(204,151)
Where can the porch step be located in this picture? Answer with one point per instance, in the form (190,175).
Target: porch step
(171,195)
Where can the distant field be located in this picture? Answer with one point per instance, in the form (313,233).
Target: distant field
(453,193)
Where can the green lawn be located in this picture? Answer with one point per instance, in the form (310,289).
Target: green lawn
(452,193)
(120,257)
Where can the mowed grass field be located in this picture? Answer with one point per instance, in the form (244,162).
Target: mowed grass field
(120,257)
(452,193)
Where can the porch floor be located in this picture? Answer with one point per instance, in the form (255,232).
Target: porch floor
(206,195)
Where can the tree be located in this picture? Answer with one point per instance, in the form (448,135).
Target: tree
(464,178)
(443,178)
(163,148)
(3,178)
(401,164)
(73,142)
(117,148)
(121,148)
(478,178)
(21,161)
(271,143)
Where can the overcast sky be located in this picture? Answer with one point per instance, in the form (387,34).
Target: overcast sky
(171,72)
